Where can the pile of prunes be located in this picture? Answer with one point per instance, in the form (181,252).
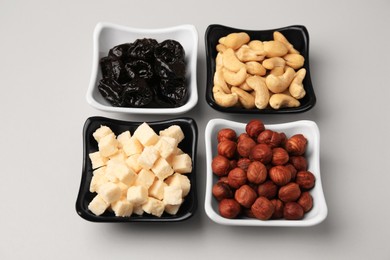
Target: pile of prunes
(144,73)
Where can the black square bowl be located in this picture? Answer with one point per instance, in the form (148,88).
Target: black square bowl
(297,35)
(188,145)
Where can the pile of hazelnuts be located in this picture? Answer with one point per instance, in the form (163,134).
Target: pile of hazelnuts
(262,174)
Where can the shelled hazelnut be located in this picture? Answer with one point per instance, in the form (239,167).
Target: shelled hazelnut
(226,134)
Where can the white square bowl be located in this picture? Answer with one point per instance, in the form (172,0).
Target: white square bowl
(310,130)
(108,35)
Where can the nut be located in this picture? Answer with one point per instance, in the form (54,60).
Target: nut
(305,180)
(242,136)
(278,204)
(222,191)
(227,148)
(245,195)
(299,162)
(279,156)
(224,179)
(280,175)
(292,170)
(226,134)
(289,192)
(243,163)
(262,208)
(254,128)
(220,165)
(267,189)
(306,201)
(272,138)
(245,145)
(237,178)
(293,211)
(233,164)
(283,139)
(262,153)
(296,144)
(249,213)
(229,208)
(256,173)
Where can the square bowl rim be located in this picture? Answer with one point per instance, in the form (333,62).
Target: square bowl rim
(84,185)
(191,66)
(214,216)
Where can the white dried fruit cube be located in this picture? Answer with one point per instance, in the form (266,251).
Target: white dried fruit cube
(122,208)
(165,146)
(110,192)
(98,178)
(132,163)
(181,181)
(97,160)
(172,195)
(98,205)
(182,163)
(157,189)
(137,195)
(146,135)
(173,131)
(162,169)
(145,178)
(101,132)
(118,171)
(119,156)
(148,157)
(172,209)
(123,138)
(124,189)
(108,145)
(137,209)
(133,146)
(154,206)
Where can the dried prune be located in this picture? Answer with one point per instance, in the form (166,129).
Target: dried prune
(119,51)
(137,93)
(113,68)
(139,68)
(169,51)
(173,91)
(111,91)
(142,49)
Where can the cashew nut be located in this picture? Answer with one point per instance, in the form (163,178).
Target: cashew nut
(234,78)
(221,48)
(294,60)
(235,40)
(219,61)
(255,68)
(278,84)
(220,81)
(280,100)
(230,61)
(223,99)
(274,62)
(244,85)
(244,54)
(261,91)
(280,38)
(296,88)
(245,99)
(275,49)
(257,46)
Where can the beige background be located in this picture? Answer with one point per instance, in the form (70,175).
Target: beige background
(46,53)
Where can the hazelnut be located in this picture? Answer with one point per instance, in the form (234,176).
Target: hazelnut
(283,139)
(224,179)
(296,144)
(229,208)
(244,146)
(299,162)
(220,165)
(226,134)
(292,170)
(257,172)
(233,164)
(306,201)
(293,211)
(279,156)
(242,136)
(289,192)
(278,204)
(249,213)
(305,180)
(269,137)
(245,195)
(267,189)
(222,191)
(262,153)
(236,178)
(227,148)
(280,175)
(243,163)
(262,208)
(254,127)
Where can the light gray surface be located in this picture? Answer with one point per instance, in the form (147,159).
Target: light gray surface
(46,53)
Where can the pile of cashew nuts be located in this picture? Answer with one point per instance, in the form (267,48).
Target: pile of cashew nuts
(255,74)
